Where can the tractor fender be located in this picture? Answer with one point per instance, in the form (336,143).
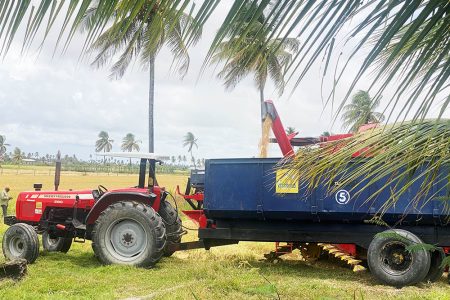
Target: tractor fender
(112,197)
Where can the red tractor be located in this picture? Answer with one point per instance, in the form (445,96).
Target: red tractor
(132,226)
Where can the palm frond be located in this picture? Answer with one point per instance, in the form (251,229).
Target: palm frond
(390,157)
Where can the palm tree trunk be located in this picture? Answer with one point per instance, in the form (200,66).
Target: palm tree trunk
(261,99)
(151,101)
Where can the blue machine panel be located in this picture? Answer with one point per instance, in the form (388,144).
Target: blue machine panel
(245,188)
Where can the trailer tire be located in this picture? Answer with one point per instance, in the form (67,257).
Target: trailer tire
(60,244)
(436,267)
(21,241)
(129,233)
(172,222)
(390,261)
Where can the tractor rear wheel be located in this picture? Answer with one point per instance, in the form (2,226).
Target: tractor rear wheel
(21,241)
(436,267)
(129,233)
(59,244)
(172,222)
(390,261)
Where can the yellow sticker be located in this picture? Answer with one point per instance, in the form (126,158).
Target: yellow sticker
(38,204)
(286,182)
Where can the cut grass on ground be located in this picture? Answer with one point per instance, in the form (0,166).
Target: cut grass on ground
(234,272)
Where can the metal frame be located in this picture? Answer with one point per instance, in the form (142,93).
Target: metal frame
(333,233)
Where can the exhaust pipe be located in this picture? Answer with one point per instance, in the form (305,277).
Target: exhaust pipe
(57,170)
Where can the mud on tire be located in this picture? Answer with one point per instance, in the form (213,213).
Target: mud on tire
(59,244)
(21,241)
(172,222)
(129,233)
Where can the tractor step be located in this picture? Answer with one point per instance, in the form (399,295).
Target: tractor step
(78,225)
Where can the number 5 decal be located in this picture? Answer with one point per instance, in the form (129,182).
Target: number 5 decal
(342,197)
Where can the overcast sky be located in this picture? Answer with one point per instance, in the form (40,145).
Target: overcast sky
(49,103)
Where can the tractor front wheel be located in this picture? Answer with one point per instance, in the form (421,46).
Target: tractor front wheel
(129,233)
(391,262)
(59,244)
(21,241)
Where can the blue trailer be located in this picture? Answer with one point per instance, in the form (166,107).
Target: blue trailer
(251,200)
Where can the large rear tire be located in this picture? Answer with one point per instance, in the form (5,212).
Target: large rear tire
(59,244)
(129,233)
(391,262)
(21,241)
(436,268)
(172,222)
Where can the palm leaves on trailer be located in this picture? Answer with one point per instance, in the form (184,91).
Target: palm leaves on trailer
(361,111)
(405,153)
(407,41)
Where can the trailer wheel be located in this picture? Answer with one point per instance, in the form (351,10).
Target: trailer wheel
(59,244)
(390,261)
(129,233)
(21,241)
(172,221)
(436,268)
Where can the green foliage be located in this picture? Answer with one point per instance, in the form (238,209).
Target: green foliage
(361,111)
(248,51)
(421,247)
(139,34)
(129,143)
(406,153)
(104,143)
(290,130)
(3,144)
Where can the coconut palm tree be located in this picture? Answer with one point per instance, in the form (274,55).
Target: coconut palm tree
(290,130)
(129,143)
(190,141)
(361,111)
(103,144)
(3,145)
(249,52)
(17,155)
(141,38)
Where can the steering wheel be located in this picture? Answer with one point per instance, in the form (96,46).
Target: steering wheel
(101,190)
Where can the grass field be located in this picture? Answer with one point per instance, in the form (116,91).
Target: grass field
(234,272)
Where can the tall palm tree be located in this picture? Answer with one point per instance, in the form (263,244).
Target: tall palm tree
(248,51)
(17,155)
(190,141)
(103,144)
(3,145)
(129,143)
(141,37)
(361,111)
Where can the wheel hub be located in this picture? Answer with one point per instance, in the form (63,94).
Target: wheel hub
(395,259)
(127,239)
(17,246)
